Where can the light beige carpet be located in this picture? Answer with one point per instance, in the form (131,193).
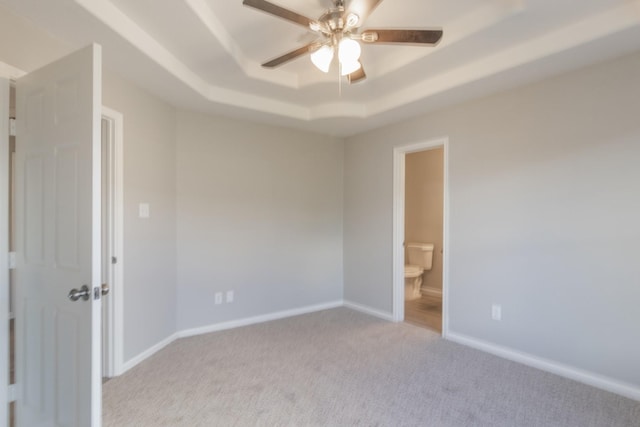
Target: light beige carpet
(343,368)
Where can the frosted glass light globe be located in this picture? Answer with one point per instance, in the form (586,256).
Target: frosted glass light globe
(349,51)
(322,58)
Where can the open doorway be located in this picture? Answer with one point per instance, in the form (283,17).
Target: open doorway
(420,226)
(423,235)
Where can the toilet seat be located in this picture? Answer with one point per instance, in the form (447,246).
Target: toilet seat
(411,271)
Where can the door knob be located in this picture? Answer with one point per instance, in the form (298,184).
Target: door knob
(75,294)
(104,289)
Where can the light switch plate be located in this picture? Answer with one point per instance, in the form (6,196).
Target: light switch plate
(144,210)
(496,312)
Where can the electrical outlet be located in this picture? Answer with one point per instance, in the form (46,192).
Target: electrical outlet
(496,312)
(229,296)
(218,298)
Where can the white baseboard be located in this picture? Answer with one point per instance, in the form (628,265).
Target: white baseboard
(225,325)
(148,353)
(609,384)
(257,319)
(368,310)
(599,381)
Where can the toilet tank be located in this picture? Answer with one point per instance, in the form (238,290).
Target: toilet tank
(420,254)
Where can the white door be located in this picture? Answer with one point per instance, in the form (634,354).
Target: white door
(58,243)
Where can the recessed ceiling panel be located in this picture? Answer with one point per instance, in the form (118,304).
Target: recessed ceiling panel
(207,54)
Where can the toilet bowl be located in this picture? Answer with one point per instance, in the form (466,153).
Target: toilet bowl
(412,282)
(420,257)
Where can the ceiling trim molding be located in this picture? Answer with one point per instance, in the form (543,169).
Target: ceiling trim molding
(342,109)
(250,68)
(614,20)
(10,72)
(582,32)
(125,27)
(476,20)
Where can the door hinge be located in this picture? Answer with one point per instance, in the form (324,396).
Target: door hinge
(114,260)
(12,260)
(12,127)
(12,393)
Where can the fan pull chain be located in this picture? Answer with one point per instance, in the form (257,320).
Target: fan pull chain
(339,79)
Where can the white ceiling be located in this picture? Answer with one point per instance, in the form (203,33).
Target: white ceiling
(206,54)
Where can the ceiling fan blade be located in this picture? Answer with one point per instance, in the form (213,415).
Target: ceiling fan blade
(357,76)
(362,8)
(278,11)
(291,55)
(431,37)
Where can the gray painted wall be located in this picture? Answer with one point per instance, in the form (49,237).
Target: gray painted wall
(149,176)
(149,244)
(260,213)
(544,202)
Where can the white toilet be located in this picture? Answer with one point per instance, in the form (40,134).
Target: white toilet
(419,257)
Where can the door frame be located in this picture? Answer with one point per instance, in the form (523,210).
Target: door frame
(10,74)
(399,157)
(113,329)
(4,249)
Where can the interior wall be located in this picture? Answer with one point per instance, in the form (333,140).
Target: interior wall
(149,257)
(424,205)
(149,176)
(544,201)
(259,213)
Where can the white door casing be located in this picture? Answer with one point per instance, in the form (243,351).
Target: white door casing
(399,154)
(58,242)
(112,327)
(4,251)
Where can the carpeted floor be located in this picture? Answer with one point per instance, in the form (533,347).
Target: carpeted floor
(343,368)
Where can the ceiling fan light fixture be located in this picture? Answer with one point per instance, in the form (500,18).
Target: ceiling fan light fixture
(352,20)
(347,68)
(337,32)
(322,58)
(349,51)
(315,26)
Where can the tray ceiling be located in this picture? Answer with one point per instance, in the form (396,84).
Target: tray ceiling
(206,54)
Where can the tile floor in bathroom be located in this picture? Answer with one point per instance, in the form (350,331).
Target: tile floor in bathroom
(425,312)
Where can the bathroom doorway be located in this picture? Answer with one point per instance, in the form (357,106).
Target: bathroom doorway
(420,235)
(423,235)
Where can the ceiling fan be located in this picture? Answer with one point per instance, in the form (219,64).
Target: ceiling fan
(339,32)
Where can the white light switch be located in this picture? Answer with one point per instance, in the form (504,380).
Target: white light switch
(143,210)
(496,312)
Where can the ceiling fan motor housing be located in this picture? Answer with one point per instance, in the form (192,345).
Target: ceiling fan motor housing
(333,20)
